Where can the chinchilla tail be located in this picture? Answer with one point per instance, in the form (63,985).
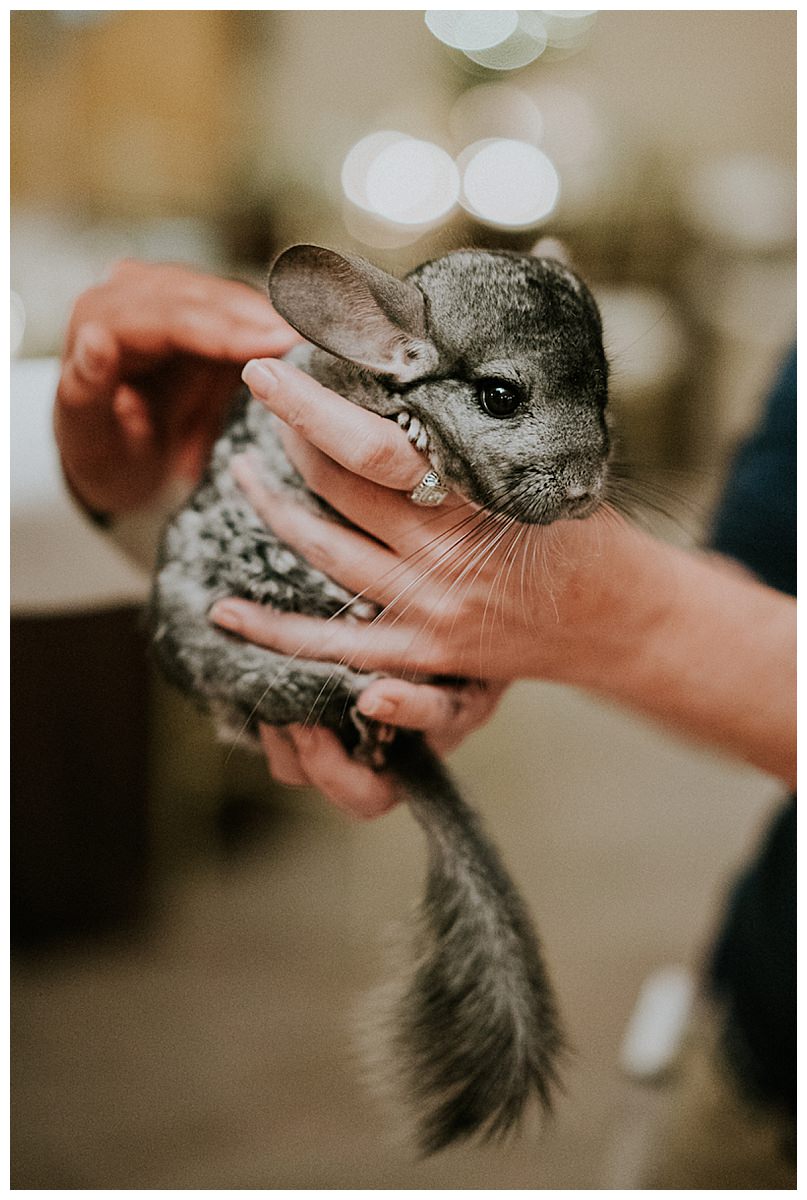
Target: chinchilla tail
(474,1028)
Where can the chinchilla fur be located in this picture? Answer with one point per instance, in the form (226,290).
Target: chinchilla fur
(494,363)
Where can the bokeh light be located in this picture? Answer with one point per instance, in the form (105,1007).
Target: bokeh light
(748,200)
(509,39)
(399,187)
(568,29)
(358,161)
(412,182)
(526,43)
(472,32)
(508,183)
(495,110)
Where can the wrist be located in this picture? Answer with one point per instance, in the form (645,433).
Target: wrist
(701,647)
(614,605)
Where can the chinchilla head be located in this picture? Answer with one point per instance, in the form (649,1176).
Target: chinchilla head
(498,356)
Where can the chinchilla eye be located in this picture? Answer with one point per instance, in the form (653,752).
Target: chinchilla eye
(498,397)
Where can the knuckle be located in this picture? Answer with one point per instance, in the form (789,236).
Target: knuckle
(315,548)
(83,309)
(123,269)
(375,456)
(295,414)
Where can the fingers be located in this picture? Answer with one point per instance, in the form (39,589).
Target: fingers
(281,756)
(300,755)
(197,313)
(368,445)
(446,713)
(97,418)
(366,647)
(152,310)
(303,755)
(388,515)
(90,370)
(349,785)
(229,321)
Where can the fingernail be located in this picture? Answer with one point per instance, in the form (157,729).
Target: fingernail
(228,613)
(88,355)
(378,709)
(256,375)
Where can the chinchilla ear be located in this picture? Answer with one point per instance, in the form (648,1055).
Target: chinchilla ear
(354,310)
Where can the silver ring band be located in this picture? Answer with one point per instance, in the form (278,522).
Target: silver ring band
(430,491)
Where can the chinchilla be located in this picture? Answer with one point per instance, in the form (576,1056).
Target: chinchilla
(493,362)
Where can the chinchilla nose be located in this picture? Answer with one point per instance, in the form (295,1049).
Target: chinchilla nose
(579,495)
(585,491)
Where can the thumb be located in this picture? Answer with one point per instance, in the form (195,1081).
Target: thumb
(90,370)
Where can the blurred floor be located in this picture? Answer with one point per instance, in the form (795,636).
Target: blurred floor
(215,1051)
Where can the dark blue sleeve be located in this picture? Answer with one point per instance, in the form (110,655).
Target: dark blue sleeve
(753,964)
(756,519)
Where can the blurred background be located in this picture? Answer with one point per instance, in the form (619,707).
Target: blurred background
(190,938)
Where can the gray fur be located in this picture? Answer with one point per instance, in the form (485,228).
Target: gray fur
(473,1031)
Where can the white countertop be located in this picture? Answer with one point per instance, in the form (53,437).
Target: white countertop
(59,561)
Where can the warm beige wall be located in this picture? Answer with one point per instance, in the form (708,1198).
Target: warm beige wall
(695,82)
(130,116)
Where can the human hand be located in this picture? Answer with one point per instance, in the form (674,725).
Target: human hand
(463,592)
(306,756)
(151,360)
(382,571)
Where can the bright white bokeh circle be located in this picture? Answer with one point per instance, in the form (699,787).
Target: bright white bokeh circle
(470,30)
(403,180)
(360,158)
(508,183)
(411,182)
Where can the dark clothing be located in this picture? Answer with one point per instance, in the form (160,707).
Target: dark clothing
(753,966)
(756,519)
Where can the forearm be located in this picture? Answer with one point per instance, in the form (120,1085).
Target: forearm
(700,646)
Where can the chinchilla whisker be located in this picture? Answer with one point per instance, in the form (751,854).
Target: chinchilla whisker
(448,556)
(543,567)
(529,549)
(614,356)
(455,551)
(459,568)
(636,494)
(473,567)
(492,587)
(499,584)
(458,552)
(476,542)
(476,570)
(513,555)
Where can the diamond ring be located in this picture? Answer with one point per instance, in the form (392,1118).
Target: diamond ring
(430,491)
